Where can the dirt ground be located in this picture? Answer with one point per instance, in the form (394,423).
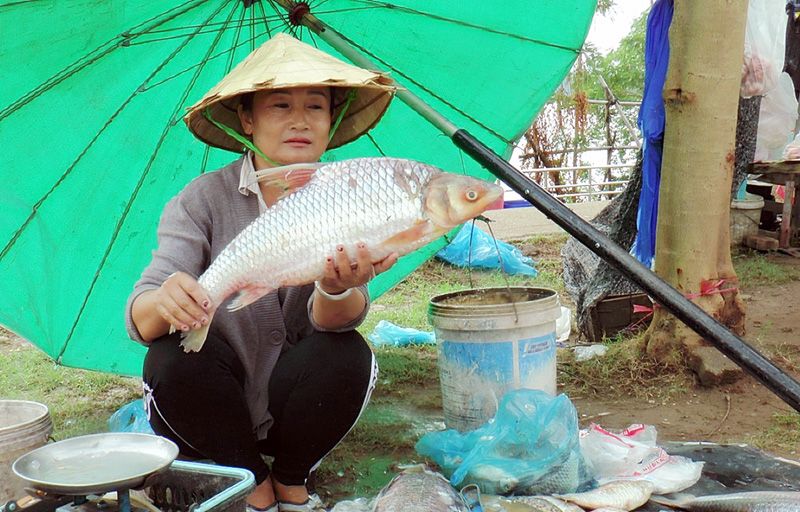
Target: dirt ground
(742,412)
(739,412)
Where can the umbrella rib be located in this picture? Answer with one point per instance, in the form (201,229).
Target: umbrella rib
(471,25)
(178,36)
(235,44)
(179,73)
(252,29)
(12,4)
(139,184)
(188,27)
(375,143)
(279,11)
(83,62)
(264,17)
(349,9)
(426,89)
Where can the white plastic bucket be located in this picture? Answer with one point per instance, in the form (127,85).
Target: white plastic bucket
(489,344)
(24,426)
(745,217)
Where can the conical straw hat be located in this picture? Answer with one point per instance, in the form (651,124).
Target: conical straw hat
(284,62)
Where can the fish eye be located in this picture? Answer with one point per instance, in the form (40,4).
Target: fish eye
(471,195)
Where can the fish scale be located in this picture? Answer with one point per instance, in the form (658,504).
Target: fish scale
(390,204)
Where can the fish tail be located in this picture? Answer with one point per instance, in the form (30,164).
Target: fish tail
(193,340)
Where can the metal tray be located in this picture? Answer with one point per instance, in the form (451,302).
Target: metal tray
(96,463)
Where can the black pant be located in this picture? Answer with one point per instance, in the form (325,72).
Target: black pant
(318,389)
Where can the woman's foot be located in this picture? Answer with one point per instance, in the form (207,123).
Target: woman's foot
(291,497)
(263,496)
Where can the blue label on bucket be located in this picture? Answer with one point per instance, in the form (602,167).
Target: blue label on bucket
(529,362)
(494,359)
(536,353)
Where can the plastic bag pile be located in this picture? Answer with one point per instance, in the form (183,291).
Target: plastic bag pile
(530,447)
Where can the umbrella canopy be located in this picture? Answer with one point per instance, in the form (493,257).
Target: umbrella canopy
(93,144)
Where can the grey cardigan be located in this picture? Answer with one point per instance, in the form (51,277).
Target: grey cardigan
(195,226)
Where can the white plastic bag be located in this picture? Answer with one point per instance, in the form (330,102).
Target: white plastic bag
(792,150)
(564,325)
(764,47)
(776,120)
(634,455)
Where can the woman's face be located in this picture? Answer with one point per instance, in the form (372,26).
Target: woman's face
(290,126)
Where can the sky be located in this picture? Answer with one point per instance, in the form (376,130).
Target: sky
(607,31)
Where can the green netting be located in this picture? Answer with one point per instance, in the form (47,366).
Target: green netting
(93,145)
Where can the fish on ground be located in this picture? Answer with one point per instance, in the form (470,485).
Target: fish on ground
(620,494)
(389,204)
(419,488)
(537,504)
(751,501)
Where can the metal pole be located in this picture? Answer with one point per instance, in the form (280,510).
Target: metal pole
(685,310)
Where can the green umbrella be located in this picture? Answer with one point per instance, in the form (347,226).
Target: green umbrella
(93,144)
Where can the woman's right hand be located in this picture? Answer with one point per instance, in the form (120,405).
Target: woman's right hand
(182,302)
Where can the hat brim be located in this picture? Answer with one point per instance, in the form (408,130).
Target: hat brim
(363,113)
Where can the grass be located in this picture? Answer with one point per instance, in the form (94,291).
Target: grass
(755,269)
(624,370)
(783,432)
(80,401)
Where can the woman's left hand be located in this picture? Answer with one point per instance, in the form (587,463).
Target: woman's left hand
(340,274)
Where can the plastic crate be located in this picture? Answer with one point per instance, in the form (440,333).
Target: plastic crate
(197,487)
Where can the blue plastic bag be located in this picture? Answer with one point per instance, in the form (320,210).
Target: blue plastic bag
(130,417)
(484,253)
(388,334)
(530,447)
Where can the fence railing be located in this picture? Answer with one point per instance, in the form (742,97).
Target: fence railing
(592,178)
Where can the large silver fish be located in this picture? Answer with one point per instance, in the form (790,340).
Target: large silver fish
(419,489)
(620,495)
(392,205)
(753,501)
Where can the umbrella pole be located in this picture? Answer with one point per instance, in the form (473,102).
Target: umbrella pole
(738,350)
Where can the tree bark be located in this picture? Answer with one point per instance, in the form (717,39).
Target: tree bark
(701,96)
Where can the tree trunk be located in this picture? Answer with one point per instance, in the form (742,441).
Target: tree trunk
(701,96)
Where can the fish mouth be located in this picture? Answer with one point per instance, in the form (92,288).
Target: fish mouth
(493,191)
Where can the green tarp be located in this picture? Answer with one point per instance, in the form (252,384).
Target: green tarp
(93,144)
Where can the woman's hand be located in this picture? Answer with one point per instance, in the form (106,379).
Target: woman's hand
(182,302)
(341,275)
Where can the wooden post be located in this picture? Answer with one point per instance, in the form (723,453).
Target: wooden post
(786,221)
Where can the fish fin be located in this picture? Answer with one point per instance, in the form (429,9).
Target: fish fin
(677,500)
(288,177)
(248,295)
(421,229)
(193,341)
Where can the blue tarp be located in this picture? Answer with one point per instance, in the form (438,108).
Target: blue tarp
(651,123)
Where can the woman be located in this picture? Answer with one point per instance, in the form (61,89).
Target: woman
(287,376)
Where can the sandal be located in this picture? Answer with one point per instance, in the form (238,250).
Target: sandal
(275,507)
(306,506)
